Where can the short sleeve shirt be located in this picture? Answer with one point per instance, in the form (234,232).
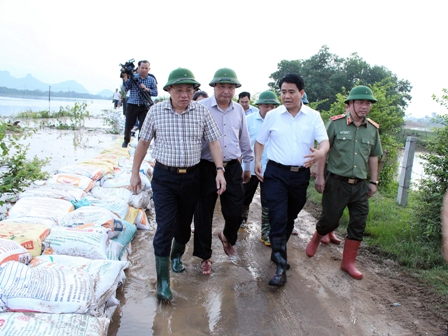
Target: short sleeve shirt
(351,146)
(290,138)
(178,137)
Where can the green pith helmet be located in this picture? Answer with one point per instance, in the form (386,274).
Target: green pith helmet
(225,75)
(181,76)
(305,99)
(267,97)
(360,93)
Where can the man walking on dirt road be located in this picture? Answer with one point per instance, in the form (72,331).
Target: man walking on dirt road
(353,156)
(178,126)
(291,130)
(235,144)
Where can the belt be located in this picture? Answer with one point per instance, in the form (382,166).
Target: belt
(178,170)
(231,162)
(349,180)
(290,168)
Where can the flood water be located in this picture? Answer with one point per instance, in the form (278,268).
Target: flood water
(11,106)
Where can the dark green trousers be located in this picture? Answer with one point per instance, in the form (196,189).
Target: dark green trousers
(338,195)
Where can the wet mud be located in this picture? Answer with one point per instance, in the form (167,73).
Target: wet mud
(318,299)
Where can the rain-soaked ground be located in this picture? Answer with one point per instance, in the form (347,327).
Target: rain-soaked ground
(235,299)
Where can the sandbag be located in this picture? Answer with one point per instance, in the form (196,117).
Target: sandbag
(89,243)
(40,207)
(109,157)
(114,204)
(12,251)
(141,200)
(30,236)
(78,181)
(37,324)
(141,220)
(90,171)
(125,236)
(58,191)
(107,275)
(55,291)
(106,167)
(122,180)
(48,222)
(92,216)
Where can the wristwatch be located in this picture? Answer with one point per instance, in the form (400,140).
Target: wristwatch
(374,182)
(221,168)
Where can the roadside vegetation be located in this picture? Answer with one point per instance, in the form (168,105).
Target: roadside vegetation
(16,171)
(67,118)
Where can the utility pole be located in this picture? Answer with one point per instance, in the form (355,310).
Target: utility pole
(49,90)
(406,171)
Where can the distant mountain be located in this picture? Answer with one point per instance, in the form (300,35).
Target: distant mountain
(30,83)
(106,93)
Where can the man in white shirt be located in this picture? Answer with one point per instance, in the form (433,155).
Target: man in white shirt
(291,130)
(244,101)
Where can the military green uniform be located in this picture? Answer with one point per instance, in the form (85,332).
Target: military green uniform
(347,166)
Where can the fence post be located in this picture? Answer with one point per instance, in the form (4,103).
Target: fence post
(406,171)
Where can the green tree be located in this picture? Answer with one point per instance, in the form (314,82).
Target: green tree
(433,187)
(327,74)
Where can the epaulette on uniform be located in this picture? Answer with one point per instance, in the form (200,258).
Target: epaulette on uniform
(373,123)
(336,117)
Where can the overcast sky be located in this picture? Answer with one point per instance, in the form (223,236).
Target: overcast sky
(85,41)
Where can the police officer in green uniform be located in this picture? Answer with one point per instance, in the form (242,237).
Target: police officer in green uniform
(354,149)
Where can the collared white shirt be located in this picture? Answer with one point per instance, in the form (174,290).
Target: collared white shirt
(235,141)
(290,138)
(251,109)
(254,123)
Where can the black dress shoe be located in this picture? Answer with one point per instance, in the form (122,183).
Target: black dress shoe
(278,280)
(124,144)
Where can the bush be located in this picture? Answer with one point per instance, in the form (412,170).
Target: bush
(16,171)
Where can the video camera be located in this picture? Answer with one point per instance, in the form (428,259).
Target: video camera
(127,68)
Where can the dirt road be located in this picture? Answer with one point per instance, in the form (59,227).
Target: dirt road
(318,299)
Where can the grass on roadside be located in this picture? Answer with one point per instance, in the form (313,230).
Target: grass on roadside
(392,229)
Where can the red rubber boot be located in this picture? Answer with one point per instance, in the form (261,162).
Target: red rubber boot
(333,238)
(313,245)
(348,258)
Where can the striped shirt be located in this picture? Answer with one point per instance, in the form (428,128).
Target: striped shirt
(235,142)
(134,97)
(178,137)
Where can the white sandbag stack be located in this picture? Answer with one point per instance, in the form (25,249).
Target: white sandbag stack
(79,255)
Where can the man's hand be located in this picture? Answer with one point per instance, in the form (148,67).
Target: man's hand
(319,184)
(125,76)
(259,171)
(316,155)
(246,176)
(136,183)
(143,86)
(314,171)
(372,190)
(220,182)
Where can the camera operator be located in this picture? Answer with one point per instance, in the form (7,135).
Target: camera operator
(136,108)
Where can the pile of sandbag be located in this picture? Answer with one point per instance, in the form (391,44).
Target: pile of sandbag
(64,247)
